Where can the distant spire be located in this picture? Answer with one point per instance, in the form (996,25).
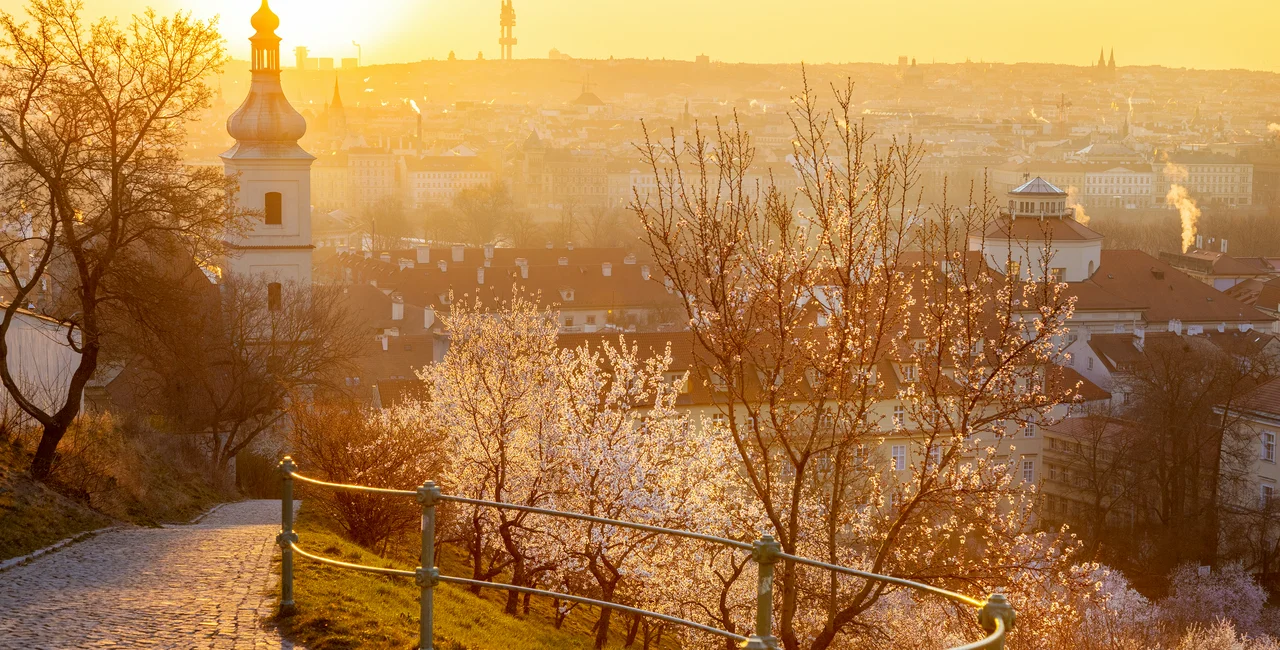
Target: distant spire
(1112,63)
(337,97)
(1102,57)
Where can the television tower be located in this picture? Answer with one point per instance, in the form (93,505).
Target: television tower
(508,21)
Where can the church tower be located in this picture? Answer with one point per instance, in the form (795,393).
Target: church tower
(275,172)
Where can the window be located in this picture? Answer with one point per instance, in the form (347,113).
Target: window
(1029,430)
(935,455)
(1269,446)
(1015,270)
(273,296)
(274,209)
(899,416)
(1266,494)
(1029,471)
(899,457)
(1090,363)
(1053,472)
(1057,274)
(568,321)
(591,320)
(908,372)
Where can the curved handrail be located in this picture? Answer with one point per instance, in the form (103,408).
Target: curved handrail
(951,595)
(354,488)
(402,573)
(765,552)
(746,546)
(993,640)
(598,603)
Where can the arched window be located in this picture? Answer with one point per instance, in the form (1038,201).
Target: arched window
(1090,268)
(273,208)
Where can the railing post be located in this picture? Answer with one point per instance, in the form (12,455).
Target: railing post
(765,553)
(286,537)
(428,576)
(997,607)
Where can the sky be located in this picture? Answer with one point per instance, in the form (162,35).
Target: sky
(1210,34)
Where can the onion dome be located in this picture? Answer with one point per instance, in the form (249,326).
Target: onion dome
(266,125)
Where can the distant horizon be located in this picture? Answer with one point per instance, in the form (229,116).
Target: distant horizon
(289,66)
(1236,35)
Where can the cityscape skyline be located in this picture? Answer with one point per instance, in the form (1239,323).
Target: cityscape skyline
(396,31)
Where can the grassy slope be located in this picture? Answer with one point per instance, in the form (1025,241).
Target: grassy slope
(339,609)
(33,516)
(145,488)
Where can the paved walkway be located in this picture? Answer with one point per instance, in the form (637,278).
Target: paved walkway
(207,585)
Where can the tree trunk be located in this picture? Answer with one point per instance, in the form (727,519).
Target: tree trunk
(42,464)
(632,629)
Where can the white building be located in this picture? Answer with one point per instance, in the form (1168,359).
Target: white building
(275,172)
(41,362)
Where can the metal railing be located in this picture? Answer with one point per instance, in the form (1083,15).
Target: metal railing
(995,615)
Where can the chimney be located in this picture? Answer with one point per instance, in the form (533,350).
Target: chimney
(457,253)
(368,254)
(397,307)
(569,245)
(424,254)
(1200,242)
(550,246)
(385,257)
(479,275)
(523,264)
(488,251)
(629,259)
(1139,339)
(1224,246)
(386,341)
(564,261)
(442,265)
(342,249)
(1175,326)
(644,272)
(405,264)
(671,286)
(606,269)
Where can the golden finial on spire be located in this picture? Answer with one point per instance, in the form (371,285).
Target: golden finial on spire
(265,21)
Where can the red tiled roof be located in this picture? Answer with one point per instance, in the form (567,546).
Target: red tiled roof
(1162,291)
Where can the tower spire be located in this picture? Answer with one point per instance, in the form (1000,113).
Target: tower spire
(266,45)
(507,21)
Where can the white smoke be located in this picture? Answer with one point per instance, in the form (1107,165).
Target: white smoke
(1074,202)
(1180,199)
(1037,117)
(1273,128)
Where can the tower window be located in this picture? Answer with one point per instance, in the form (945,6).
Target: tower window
(273,296)
(274,209)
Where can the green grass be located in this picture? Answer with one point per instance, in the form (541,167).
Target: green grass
(339,609)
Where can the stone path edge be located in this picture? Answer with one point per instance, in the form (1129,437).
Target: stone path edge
(88,534)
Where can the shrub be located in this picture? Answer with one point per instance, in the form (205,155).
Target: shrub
(342,442)
(1229,593)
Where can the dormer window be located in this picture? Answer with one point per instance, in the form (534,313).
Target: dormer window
(274,208)
(566,295)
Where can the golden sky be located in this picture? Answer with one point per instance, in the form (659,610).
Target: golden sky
(1176,33)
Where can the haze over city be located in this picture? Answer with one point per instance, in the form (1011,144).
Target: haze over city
(568,325)
(1175,33)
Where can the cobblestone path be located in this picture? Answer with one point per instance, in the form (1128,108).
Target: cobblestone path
(207,585)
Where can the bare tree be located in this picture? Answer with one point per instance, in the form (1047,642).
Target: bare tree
(224,363)
(91,128)
(1173,390)
(813,319)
